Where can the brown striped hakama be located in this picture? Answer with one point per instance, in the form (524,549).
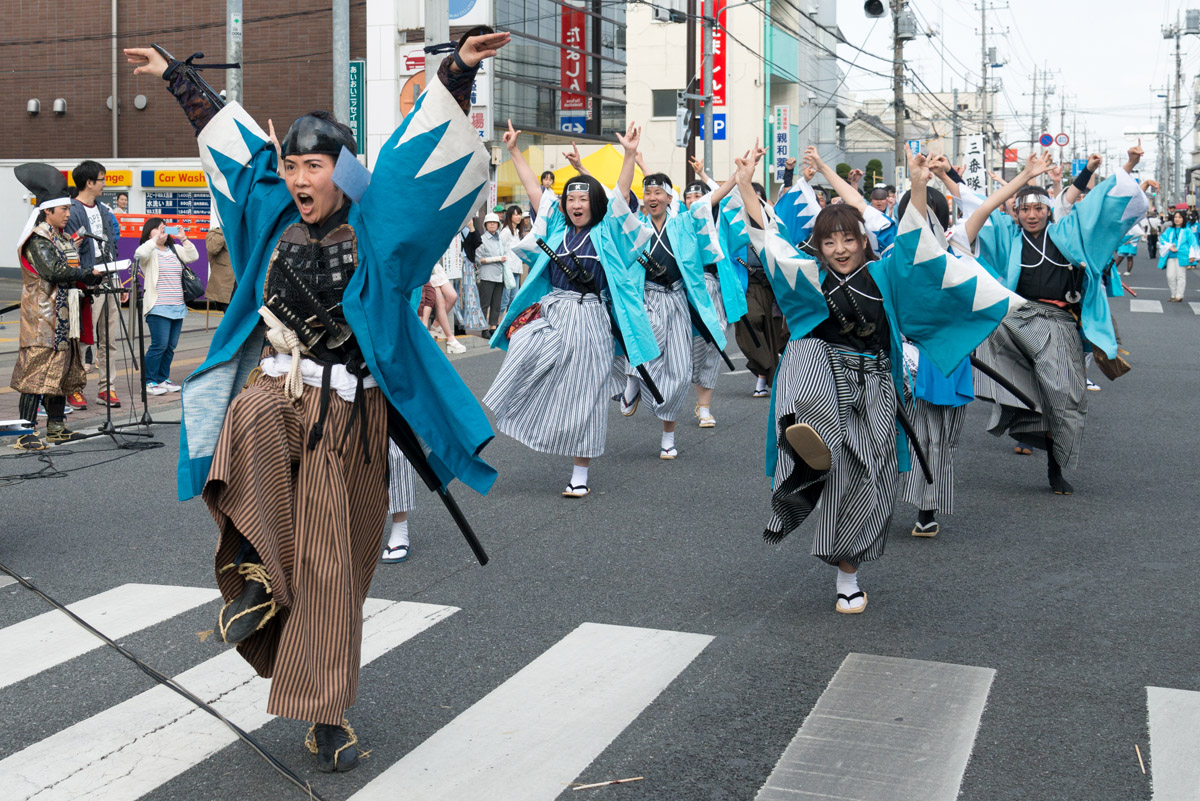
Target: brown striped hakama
(316,517)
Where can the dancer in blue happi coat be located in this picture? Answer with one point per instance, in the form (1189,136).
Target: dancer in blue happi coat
(1177,250)
(293,468)
(833,447)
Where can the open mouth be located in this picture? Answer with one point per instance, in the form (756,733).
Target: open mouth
(305,202)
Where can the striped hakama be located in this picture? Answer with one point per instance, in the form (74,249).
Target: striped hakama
(402,481)
(316,517)
(1038,348)
(769,326)
(851,403)
(937,429)
(667,308)
(552,391)
(706,359)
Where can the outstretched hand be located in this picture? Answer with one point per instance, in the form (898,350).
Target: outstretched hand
(477,48)
(509,137)
(1094,161)
(854,177)
(918,168)
(813,159)
(1135,155)
(1040,163)
(1148,183)
(697,165)
(631,139)
(939,166)
(146,61)
(573,158)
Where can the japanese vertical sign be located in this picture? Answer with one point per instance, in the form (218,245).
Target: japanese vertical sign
(718,45)
(780,147)
(974,167)
(572,64)
(358,108)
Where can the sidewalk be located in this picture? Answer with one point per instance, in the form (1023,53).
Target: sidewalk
(189,354)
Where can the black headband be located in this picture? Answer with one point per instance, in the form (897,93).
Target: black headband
(310,134)
(578,186)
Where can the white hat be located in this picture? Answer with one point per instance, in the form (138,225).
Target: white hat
(491,216)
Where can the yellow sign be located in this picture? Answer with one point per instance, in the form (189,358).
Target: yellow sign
(112,178)
(174,179)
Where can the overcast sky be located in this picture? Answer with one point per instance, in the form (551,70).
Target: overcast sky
(1107,56)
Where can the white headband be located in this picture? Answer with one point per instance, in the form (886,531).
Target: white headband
(578,186)
(58,201)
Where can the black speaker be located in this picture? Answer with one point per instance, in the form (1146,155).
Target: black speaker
(874,8)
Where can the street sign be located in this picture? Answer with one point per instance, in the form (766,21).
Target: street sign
(575,125)
(1046,140)
(358,108)
(1078,165)
(915,146)
(718,126)
(781,148)
(1010,155)
(1062,140)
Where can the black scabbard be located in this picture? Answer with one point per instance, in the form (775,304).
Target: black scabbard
(1004,383)
(906,424)
(404,437)
(705,334)
(746,317)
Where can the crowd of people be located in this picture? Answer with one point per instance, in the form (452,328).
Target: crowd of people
(868,323)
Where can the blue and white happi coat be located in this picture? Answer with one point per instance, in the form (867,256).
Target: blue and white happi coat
(1087,236)
(434,156)
(944,304)
(618,240)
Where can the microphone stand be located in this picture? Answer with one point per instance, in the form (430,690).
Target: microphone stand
(135,302)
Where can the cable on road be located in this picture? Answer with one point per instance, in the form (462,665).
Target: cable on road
(282,769)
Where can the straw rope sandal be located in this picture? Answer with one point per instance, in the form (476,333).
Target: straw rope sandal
(251,609)
(336,747)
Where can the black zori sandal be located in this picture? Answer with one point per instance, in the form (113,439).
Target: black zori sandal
(576,491)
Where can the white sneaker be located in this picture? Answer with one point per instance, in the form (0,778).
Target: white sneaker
(155,389)
(437,332)
(171,386)
(1093,386)
(42,409)
(455,347)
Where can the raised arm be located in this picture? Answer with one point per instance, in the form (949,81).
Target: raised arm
(1080,184)
(940,166)
(1037,165)
(845,191)
(919,173)
(744,176)
(524,172)
(630,142)
(575,160)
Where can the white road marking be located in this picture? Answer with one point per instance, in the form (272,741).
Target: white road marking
(1174,743)
(885,729)
(6,580)
(136,746)
(535,733)
(1136,305)
(1195,307)
(1149,288)
(737,372)
(50,639)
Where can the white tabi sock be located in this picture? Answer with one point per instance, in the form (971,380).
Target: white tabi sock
(702,411)
(761,385)
(399,535)
(668,440)
(579,476)
(631,389)
(847,584)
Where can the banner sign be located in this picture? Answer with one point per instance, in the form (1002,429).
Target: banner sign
(572,64)
(780,146)
(1010,155)
(112,178)
(974,167)
(358,106)
(174,179)
(719,81)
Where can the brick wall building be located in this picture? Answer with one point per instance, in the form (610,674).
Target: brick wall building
(67,54)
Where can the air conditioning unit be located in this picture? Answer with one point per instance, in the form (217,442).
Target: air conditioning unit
(1192,21)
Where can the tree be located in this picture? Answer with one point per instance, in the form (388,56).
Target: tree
(874,173)
(843,171)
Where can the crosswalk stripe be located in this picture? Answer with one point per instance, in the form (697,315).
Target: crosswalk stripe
(535,733)
(50,639)
(1136,305)
(130,749)
(885,729)
(1195,307)
(1174,743)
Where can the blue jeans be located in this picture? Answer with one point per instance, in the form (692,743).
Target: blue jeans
(507,296)
(164,336)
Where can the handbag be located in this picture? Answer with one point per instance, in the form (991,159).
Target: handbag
(188,280)
(523,319)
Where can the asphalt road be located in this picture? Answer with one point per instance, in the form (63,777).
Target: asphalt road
(1077,604)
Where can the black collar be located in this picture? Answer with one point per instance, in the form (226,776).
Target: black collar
(319,231)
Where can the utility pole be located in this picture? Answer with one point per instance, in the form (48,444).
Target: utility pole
(437,31)
(233,51)
(1062,122)
(709,19)
(1176,177)
(983,71)
(341,60)
(1033,137)
(898,88)
(957,131)
(689,78)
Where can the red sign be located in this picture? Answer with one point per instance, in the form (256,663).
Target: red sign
(572,64)
(1010,155)
(718,47)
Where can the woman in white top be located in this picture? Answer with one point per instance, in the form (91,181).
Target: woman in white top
(510,235)
(160,258)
